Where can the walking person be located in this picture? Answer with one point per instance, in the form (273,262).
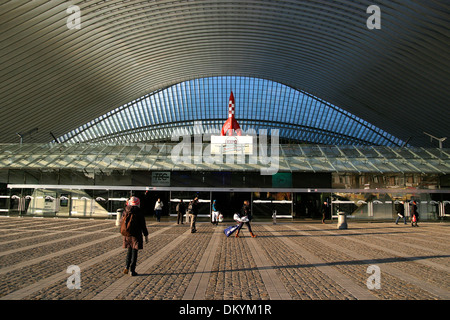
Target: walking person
(326,209)
(158,209)
(414,214)
(181,210)
(245,216)
(400,208)
(132,228)
(214,214)
(193,211)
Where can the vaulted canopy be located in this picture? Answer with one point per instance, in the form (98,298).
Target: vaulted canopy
(55,77)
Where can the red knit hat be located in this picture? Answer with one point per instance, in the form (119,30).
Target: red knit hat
(134,201)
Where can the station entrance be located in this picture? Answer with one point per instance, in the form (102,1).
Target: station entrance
(308,205)
(230,202)
(103,201)
(226,202)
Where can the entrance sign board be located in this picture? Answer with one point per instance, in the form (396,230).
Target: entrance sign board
(232,145)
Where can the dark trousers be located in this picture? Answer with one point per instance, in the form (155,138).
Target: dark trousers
(131,259)
(158,215)
(180,217)
(248,226)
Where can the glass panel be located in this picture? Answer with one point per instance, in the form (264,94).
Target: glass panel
(265,204)
(266,103)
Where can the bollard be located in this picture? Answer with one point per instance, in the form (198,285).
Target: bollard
(274,216)
(118,216)
(342,220)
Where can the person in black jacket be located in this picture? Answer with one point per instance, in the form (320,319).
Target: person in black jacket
(245,216)
(326,211)
(134,242)
(400,212)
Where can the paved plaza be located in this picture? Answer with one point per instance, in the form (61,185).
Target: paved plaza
(287,261)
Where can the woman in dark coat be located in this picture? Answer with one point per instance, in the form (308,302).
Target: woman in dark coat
(134,242)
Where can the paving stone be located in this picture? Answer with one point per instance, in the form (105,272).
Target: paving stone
(298,261)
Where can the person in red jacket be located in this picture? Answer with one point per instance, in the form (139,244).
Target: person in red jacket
(134,242)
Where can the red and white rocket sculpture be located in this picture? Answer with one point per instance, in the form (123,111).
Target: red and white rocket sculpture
(231,124)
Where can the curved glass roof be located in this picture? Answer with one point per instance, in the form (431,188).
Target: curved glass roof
(55,77)
(260,104)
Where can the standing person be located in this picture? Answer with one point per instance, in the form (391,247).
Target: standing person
(245,216)
(158,209)
(133,227)
(325,211)
(414,214)
(181,210)
(193,211)
(400,212)
(214,214)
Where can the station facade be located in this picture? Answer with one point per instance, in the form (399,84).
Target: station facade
(100,108)
(93,181)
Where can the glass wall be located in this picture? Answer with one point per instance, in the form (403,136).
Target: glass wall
(103,203)
(382,206)
(75,193)
(204,199)
(85,203)
(265,204)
